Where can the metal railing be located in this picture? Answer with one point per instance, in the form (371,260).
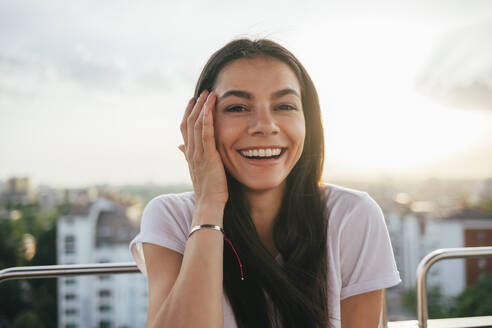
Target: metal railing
(430,259)
(53,271)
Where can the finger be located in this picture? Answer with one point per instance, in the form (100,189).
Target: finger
(187,112)
(208,137)
(198,129)
(190,123)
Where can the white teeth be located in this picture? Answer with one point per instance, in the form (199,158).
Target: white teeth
(269,152)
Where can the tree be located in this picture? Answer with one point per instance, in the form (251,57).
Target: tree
(25,303)
(28,319)
(437,304)
(10,255)
(10,239)
(475,300)
(486,206)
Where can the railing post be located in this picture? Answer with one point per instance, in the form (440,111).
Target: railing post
(428,261)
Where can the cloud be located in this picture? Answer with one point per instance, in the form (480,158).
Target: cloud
(26,76)
(459,73)
(97,46)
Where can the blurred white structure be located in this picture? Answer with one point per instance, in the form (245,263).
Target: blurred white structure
(99,232)
(414,235)
(17,191)
(483,191)
(49,198)
(81,196)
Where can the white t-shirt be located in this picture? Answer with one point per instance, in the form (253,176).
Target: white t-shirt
(360,257)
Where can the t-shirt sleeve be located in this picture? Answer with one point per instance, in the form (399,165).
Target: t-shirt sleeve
(164,223)
(367,262)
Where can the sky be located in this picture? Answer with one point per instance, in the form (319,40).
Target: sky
(93,92)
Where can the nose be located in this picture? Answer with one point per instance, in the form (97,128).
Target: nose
(263,123)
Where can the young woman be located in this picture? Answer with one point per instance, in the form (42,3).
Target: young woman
(261,242)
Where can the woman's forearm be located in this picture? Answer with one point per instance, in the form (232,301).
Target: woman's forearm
(196,297)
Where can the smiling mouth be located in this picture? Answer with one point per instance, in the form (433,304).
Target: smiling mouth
(262,154)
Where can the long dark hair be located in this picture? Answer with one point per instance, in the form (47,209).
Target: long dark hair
(298,289)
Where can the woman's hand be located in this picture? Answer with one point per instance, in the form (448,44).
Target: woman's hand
(204,162)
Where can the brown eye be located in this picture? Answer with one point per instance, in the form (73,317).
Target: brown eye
(235,108)
(286,107)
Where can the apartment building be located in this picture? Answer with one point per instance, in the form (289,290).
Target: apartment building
(99,232)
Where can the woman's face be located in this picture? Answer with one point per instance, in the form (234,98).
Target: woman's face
(259,121)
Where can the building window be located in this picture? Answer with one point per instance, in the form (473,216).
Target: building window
(104,324)
(104,293)
(105,277)
(69,312)
(70,281)
(69,297)
(70,244)
(104,308)
(70,325)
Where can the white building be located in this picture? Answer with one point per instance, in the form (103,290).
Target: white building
(414,235)
(96,233)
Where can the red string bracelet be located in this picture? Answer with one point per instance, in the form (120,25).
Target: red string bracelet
(219,228)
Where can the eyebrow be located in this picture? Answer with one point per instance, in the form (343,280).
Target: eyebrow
(249,96)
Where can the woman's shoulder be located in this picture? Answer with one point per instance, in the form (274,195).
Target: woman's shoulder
(336,195)
(170,201)
(168,215)
(169,208)
(166,222)
(342,203)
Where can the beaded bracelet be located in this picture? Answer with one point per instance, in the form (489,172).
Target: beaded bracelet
(219,228)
